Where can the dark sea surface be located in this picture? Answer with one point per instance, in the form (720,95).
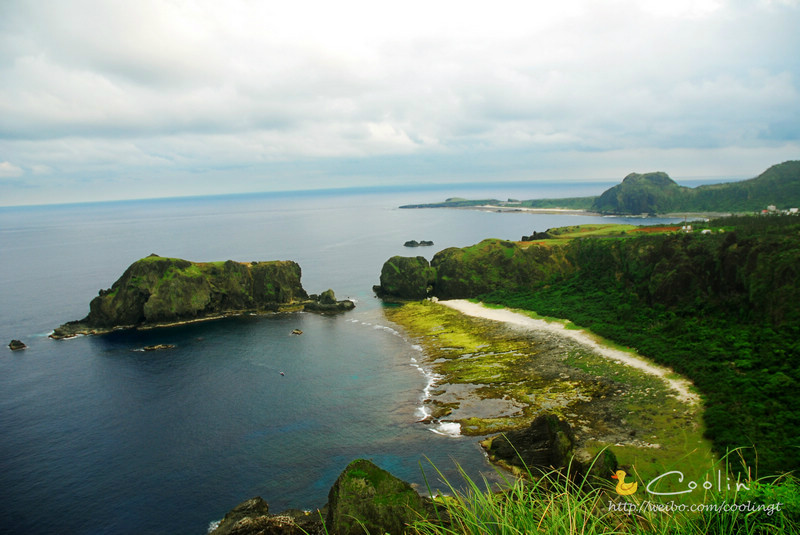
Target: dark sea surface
(99,438)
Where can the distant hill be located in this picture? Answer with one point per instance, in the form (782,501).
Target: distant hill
(657,193)
(641,194)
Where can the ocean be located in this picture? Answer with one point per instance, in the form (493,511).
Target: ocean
(99,437)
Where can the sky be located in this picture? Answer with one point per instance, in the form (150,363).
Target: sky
(107,99)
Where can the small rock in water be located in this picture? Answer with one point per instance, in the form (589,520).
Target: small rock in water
(16,344)
(297,332)
(158,347)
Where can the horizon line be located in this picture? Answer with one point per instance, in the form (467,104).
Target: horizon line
(362,189)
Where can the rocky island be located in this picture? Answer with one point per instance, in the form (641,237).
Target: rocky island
(159,291)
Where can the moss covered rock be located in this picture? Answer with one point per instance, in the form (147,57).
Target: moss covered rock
(157,290)
(368,499)
(469,271)
(406,277)
(495,264)
(546,444)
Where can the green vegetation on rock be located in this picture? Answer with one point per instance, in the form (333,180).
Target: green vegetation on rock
(157,290)
(368,499)
(406,276)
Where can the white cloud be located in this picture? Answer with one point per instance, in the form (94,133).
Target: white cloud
(166,87)
(9,170)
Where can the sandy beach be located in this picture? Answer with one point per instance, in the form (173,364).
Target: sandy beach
(681,387)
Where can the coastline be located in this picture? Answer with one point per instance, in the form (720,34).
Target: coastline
(679,385)
(577,211)
(494,370)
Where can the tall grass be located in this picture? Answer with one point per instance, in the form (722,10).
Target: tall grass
(560,502)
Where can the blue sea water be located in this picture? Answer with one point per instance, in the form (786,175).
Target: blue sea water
(99,438)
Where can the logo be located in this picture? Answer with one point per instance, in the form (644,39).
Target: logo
(707,485)
(624,489)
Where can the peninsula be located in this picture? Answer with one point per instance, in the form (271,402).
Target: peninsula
(157,291)
(657,194)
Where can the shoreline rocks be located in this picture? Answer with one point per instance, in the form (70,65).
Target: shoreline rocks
(548,443)
(363,499)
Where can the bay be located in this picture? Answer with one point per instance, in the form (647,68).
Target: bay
(98,437)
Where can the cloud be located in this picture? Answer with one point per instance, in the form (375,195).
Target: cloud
(171,87)
(9,170)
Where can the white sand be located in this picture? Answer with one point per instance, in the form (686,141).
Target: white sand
(681,386)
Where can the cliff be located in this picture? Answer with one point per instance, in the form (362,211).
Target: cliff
(157,290)
(747,267)
(470,271)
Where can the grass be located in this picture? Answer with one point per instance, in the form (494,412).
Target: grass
(594,230)
(560,503)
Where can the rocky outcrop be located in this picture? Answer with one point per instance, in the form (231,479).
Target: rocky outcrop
(469,271)
(548,444)
(16,345)
(326,302)
(537,236)
(364,499)
(157,291)
(406,278)
(415,243)
(252,517)
(158,347)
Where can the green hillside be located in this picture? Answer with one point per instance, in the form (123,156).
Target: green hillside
(657,193)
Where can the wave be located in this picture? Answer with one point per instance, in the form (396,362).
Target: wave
(450,429)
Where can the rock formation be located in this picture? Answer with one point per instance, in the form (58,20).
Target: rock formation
(470,271)
(252,517)
(157,291)
(16,345)
(158,347)
(326,302)
(406,277)
(364,499)
(548,444)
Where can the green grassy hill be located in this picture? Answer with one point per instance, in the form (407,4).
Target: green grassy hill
(656,193)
